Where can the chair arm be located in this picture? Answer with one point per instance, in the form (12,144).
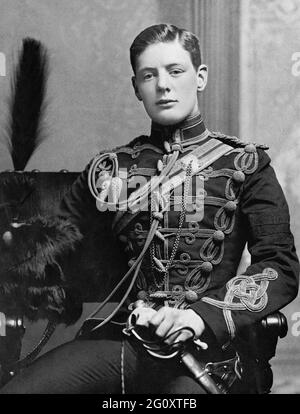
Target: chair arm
(275,323)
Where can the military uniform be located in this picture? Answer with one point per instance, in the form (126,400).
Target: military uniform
(192,261)
(238,200)
(231,198)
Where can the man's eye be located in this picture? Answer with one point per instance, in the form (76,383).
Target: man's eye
(148,76)
(176,72)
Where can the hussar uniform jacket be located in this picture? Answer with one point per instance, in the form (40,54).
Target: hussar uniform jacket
(231,199)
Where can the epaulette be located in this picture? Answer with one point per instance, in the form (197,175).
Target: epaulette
(142,139)
(236,142)
(136,141)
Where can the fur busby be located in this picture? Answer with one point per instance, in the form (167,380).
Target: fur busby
(33,263)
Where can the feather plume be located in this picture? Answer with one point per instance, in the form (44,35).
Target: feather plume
(27,105)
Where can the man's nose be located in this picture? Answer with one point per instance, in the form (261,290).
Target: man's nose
(163,83)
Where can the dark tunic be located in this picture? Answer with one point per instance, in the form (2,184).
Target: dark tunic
(235,200)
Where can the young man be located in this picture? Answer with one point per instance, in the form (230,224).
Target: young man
(201,197)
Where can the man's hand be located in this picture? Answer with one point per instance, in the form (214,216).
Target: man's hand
(167,320)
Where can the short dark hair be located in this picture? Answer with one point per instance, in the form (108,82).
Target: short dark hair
(165,33)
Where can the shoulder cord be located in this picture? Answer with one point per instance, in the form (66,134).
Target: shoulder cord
(135,267)
(139,195)
(155,221)
(157,216)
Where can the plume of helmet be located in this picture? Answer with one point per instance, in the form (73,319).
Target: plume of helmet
(27,104)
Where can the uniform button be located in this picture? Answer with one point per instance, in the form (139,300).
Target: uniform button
(206,267)
(131,262)
(142,295)
(191,296)
(218,236)
(250,148)
(160,165)
(230,207)
(123,238)
(167,146)
(7,238)
(238,176)
(177,289)
(185,257)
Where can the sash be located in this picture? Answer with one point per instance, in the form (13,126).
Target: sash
(200,158)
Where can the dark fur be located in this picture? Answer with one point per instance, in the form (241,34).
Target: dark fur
(15,192)
(32,270)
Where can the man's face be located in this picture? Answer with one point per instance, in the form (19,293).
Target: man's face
(167,82)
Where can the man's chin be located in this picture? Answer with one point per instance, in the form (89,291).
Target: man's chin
(167,119)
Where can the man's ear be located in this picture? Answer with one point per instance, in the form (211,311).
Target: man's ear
(202,74)
(136,91)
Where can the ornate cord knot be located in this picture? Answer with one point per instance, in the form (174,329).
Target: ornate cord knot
(244,293)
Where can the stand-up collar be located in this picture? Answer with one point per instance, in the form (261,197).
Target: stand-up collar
(186,131)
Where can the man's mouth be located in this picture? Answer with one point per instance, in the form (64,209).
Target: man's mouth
(166,101)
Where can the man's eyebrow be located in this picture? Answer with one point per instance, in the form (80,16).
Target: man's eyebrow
(146,68)
(169,66)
